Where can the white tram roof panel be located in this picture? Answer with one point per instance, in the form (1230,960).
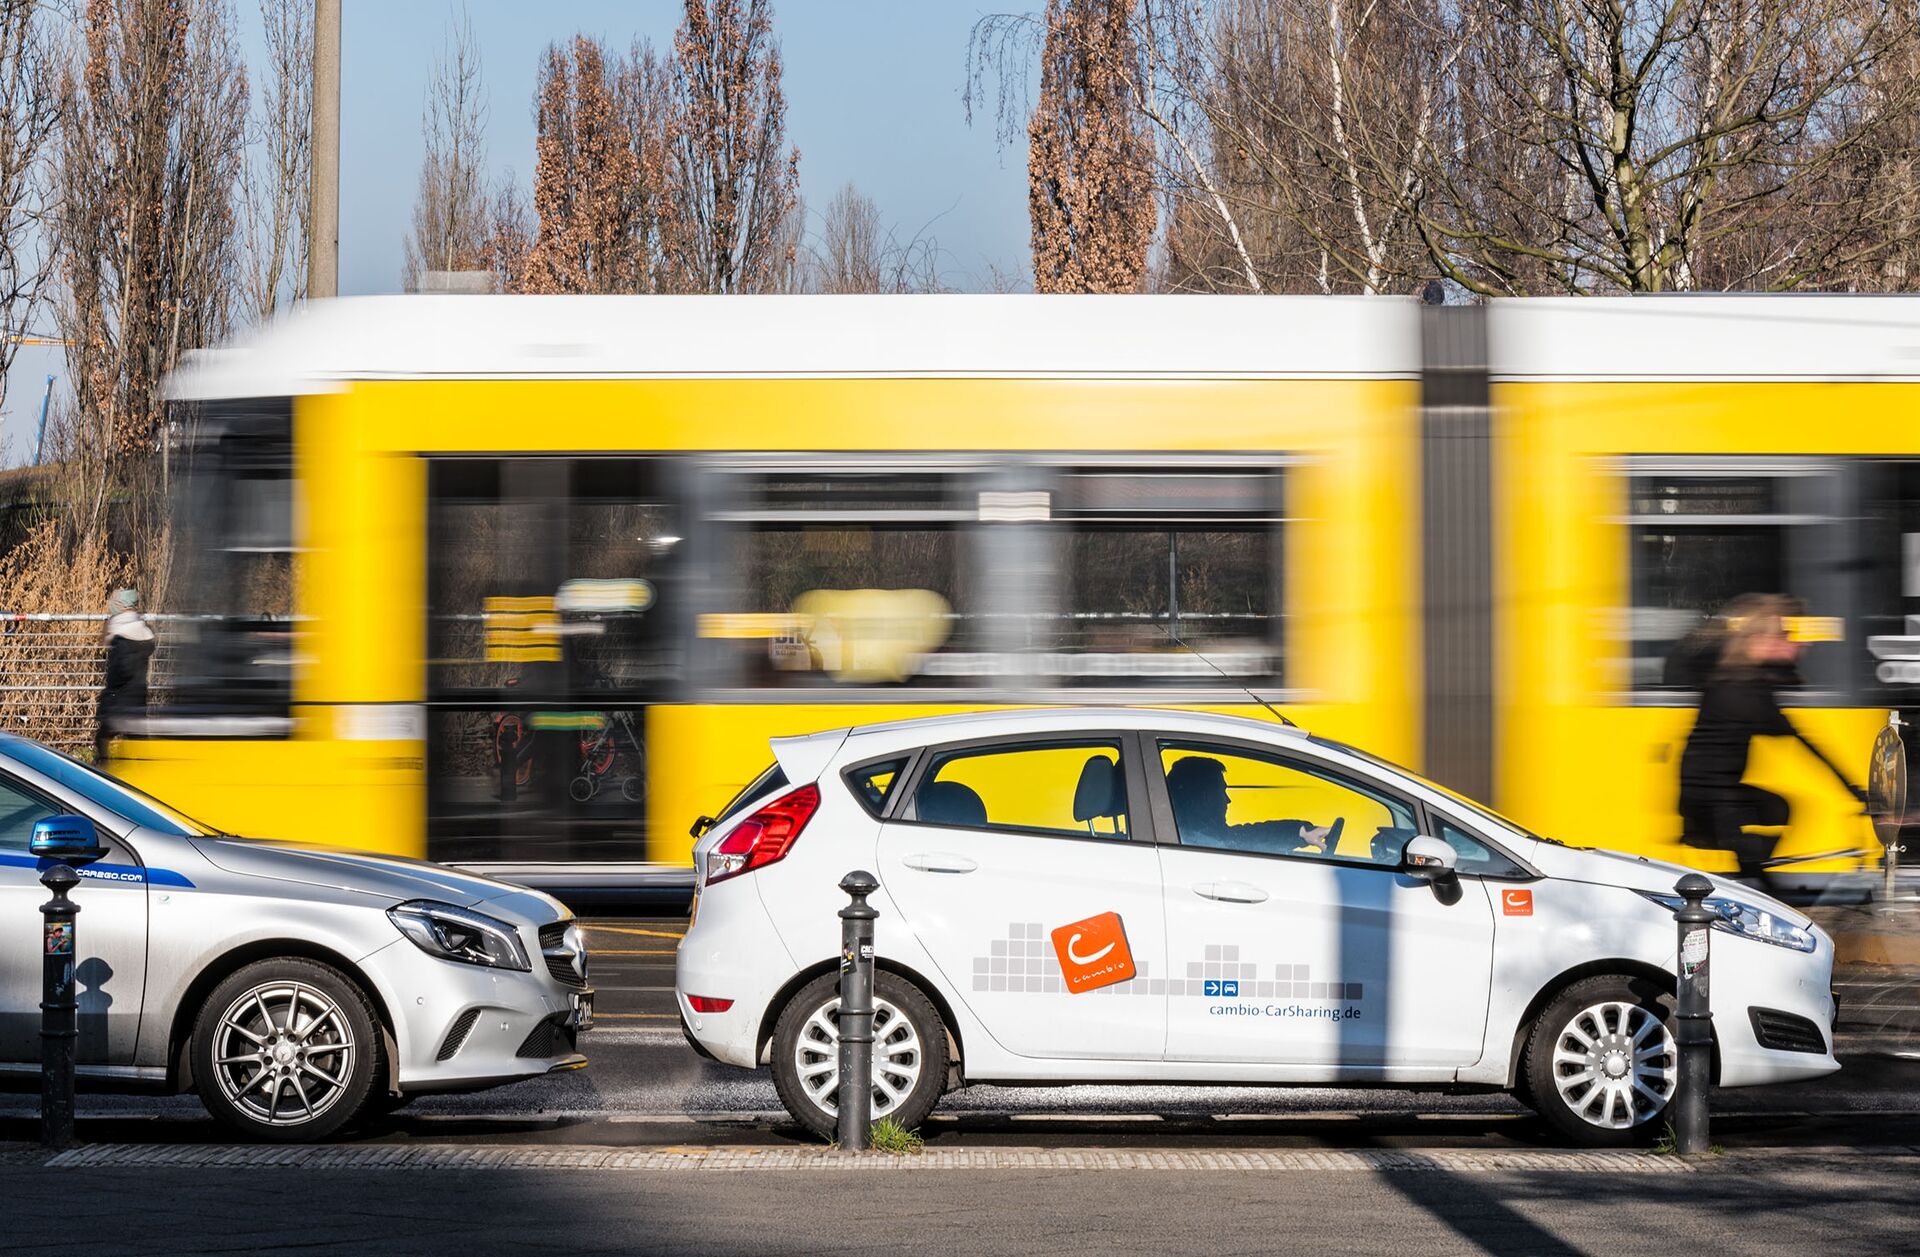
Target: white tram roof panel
(1699,336)
(328,344)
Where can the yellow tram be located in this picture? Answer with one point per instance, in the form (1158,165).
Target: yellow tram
(526,583)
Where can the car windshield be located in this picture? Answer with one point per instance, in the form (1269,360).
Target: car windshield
(107,792)
(1478,809)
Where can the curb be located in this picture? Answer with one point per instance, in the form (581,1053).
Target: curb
(735,1160)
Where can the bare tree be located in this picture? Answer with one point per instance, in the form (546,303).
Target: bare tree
(28,115)
(585,182)
(1679,144)
(277,205)
(854,251)
(850,254)
(1089,153)
(451,231)
(154,106)
(734,179)
(510,236)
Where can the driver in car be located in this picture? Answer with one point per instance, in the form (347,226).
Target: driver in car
(1197,788)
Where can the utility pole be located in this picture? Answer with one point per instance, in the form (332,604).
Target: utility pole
(323,265)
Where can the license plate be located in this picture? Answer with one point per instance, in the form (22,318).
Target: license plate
(582,1016)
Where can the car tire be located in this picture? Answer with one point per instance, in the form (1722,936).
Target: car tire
(1601,1061)
(286,1051)
(910,1053)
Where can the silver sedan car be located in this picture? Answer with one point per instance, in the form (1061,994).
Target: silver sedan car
(292,987)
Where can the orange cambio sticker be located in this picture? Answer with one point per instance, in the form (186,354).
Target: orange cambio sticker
(1516,903)
(1093,953)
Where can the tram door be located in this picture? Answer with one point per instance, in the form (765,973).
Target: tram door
(553,587)
(1890,605)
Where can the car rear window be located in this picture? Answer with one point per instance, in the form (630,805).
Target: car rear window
(770,779)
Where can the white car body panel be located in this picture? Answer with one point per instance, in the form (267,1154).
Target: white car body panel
(1463,980)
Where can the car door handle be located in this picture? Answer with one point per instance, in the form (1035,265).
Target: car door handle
(939,862)
(1230,892)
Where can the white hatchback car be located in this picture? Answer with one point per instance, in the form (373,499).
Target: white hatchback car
(1137,895)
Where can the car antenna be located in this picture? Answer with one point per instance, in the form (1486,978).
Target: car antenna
(1271,709)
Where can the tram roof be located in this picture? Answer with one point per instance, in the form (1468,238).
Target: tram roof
(329,344)
(1700,336)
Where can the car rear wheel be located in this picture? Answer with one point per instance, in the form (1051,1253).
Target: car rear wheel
(1601,1063)
(909,1053)
(286,1051)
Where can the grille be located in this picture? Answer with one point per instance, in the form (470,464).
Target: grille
(1785,1032)
(551,1037)
(457,1034)
(559,957)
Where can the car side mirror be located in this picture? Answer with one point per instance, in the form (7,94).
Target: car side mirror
(68,839)
(1429,858)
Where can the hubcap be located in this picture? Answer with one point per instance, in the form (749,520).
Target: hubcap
(1615,1065)
(283,1053)
(897,1058)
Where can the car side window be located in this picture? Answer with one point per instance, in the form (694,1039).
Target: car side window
(1228,798)
(1475,856)
(1071,789)
(873,783)
(18,812)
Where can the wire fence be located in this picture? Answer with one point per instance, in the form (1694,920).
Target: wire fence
(51,670)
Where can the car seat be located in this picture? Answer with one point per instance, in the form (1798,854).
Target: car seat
(1099,794)
(950,803)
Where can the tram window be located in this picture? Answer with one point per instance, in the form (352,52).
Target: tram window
(551,579)
(845,579)
(229,656)
(1169,578)
(1698,541)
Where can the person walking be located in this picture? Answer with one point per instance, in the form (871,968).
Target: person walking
(129,640)
(1740,687)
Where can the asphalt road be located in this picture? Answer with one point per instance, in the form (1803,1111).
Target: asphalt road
(1832,1208)
(645,1087)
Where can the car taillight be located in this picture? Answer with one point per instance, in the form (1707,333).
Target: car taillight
(764,837)
(709,1003)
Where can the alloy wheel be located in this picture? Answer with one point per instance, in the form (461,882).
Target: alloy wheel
(283,1053)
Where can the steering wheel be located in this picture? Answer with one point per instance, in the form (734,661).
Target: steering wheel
(1332,839)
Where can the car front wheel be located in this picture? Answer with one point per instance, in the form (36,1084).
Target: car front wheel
(909,1053)
(286,1051)
(1601,1063)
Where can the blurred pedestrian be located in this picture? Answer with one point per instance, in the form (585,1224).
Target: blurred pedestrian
(129,640)
(1740,685)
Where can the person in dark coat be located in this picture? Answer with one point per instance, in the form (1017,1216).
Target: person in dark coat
(129,650)
(1739,701)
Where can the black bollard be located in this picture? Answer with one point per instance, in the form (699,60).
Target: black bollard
(856,1012)
(1693,1017)
(59,1009)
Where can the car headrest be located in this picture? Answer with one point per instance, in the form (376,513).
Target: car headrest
(950,803)
(1098,792)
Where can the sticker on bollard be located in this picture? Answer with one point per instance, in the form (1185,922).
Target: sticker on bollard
(59,938)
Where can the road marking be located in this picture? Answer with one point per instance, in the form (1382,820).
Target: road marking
(632,929)
(1086,1117)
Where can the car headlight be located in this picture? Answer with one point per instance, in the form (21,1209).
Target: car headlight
(1735,916)
(454,933)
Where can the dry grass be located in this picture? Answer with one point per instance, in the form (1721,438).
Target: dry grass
(50,671)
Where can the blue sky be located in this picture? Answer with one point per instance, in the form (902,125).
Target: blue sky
(873,96)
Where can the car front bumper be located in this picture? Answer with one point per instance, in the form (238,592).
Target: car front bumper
(463,1027)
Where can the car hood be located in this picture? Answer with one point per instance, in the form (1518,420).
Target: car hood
(389,877)
(1636,872)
